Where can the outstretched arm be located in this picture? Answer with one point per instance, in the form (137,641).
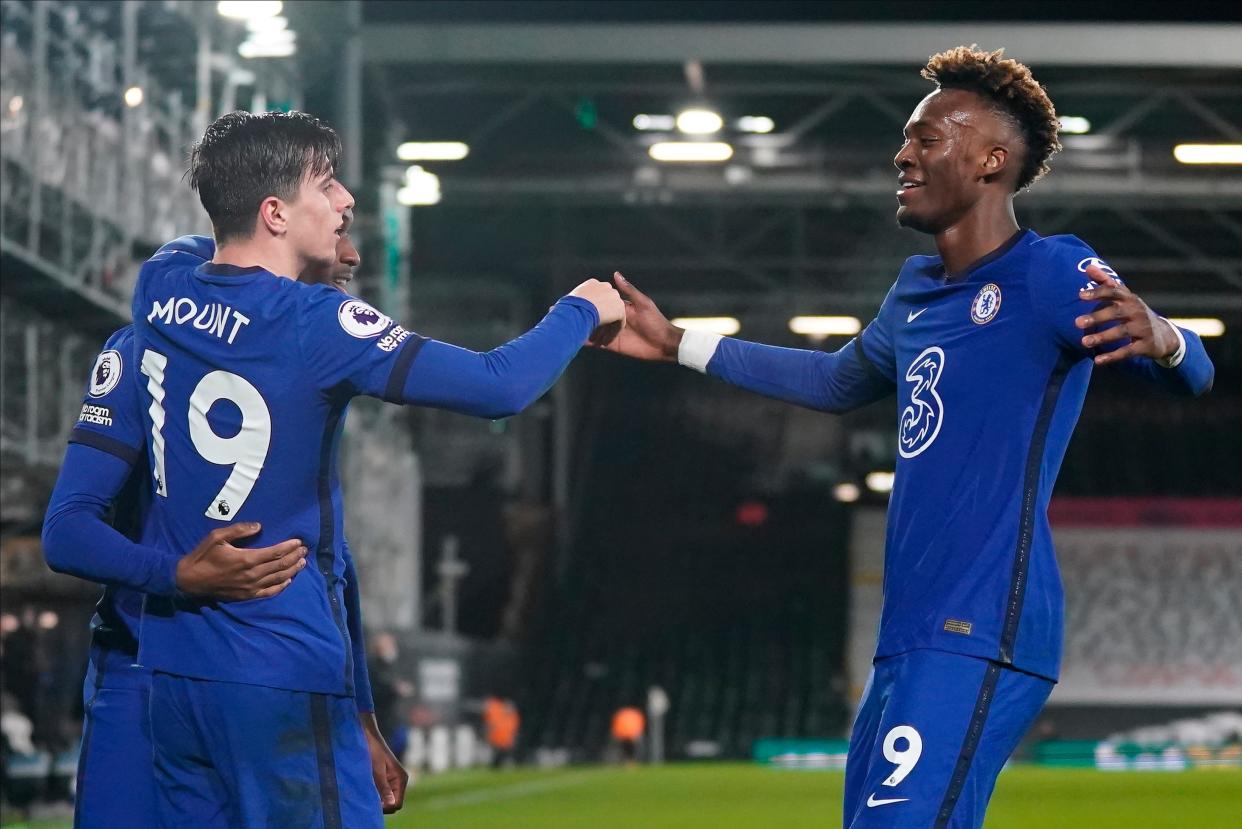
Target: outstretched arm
(377,358)
(829,382)
(1151,347)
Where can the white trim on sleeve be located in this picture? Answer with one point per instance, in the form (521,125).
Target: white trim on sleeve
(697,348)
(1175,359)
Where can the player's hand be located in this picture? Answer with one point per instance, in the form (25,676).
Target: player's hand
(216,569)
(1149,335)
(648,335)
(605,299)
(391,778)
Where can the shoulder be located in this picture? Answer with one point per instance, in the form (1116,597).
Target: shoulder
(200,247)
(180,255)
(1064,252)
(918,266)
(121,338)
(110,365)
(913,272)
(324,304)
(1059,265)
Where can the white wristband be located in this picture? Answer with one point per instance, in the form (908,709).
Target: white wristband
(697,348)
(1175,359)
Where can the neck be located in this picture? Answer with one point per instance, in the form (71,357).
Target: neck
(987,226)
(265,253)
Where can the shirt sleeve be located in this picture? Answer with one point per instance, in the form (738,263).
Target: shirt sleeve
(1191,376)
(354,347)
(79,541)
(357,635)
(110,419)
(105,447)
(1059,275)
(860,372)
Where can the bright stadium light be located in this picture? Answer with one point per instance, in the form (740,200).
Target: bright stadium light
(880,481)
(269,43)
(421,188)
(133,97)
(1075,125)
(272,37)
(1203,326)
(1208,153)
(432,151)
(691,151)
(248,9)
(825,326)
(264,25)
(724,326)
(846,493)
(699,121)
(259,49)
(662,123)
(755,123)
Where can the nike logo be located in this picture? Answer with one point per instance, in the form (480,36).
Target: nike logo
(871,801)
(913,315)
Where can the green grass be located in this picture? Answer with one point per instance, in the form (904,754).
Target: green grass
(750,797)
(737,796)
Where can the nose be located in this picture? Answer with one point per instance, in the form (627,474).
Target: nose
(349,255)
(346,199)
(904,158)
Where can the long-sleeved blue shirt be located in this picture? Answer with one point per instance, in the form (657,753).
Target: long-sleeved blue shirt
(245,379)
(104,474)
(990,377)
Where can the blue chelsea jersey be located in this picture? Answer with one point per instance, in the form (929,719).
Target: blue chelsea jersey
(990,375)
(245,380)
(990,378)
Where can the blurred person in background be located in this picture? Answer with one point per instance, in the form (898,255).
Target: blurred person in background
(116,781)
(628,725)
(388,689)
(989,347)
(501,722)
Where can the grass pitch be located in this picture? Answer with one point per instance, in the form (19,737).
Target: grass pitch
(736,796)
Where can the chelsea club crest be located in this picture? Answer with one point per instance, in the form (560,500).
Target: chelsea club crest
(986,305)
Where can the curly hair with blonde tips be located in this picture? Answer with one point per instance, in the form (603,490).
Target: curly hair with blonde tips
(1013,93)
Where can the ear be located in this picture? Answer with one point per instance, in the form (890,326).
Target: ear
(995,163)
(272,216)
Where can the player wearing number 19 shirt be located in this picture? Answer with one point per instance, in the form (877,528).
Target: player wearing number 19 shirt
(247,379)
(105,470)
(989,347)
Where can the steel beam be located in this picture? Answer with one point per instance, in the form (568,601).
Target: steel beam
(1039,44)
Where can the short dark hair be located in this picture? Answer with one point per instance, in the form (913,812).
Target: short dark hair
(1012,92)
(243,158)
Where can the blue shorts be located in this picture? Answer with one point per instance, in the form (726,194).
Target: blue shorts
(932,733)
(116,777)
(250,757)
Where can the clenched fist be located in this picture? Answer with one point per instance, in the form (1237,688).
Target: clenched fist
(605,299)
